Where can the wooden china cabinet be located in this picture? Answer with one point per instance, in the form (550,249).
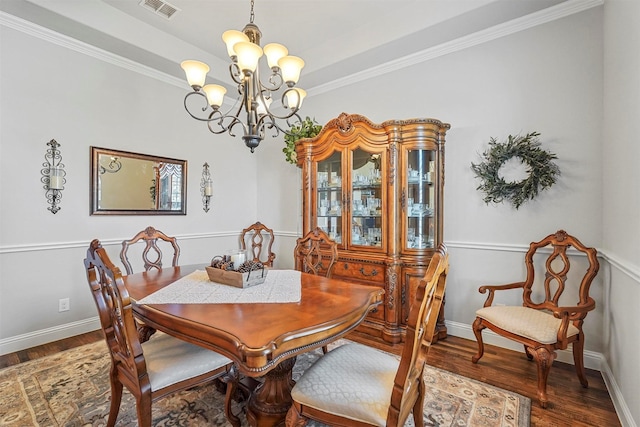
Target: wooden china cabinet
(377,190)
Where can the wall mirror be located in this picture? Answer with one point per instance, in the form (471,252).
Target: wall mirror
(124,183)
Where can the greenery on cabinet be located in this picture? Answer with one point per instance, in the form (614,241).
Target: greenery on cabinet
(541,170)
(308,128)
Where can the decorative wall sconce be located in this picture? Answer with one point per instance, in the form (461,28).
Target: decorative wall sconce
(53,175)
(206,187)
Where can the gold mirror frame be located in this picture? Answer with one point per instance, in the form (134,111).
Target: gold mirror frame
(125,183)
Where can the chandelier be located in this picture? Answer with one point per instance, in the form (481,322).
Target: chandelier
(255,97)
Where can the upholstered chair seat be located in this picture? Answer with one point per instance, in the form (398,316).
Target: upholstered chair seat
(186,360)
(527,322)
(352,381)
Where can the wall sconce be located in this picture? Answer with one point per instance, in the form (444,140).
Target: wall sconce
(206,187)
(53,175)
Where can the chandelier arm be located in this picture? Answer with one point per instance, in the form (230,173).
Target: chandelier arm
(283,117)
(216,117)
(275,82)
(202,119)
(236,74)
(272,124)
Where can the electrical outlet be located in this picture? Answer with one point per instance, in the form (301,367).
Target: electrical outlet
(63,304)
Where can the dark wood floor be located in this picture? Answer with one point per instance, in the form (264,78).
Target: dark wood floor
(570,403)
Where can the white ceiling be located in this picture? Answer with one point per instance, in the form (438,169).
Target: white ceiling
(334,37)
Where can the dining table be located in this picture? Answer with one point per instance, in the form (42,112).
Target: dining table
(260,334)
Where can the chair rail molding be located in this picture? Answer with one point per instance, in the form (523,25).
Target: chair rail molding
(622,265)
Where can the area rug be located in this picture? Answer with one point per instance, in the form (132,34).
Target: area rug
(71,389)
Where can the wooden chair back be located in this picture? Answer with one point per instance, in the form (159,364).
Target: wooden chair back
(255,234)
(316,253)
(150,236)
(546,292)
(408,385)
(116,318)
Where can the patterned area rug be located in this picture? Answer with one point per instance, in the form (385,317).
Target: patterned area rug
(71,389)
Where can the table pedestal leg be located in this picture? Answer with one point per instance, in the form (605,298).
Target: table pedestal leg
(269,403)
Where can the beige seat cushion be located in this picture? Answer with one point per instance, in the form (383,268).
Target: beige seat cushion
(534,324)
(353,381)
(170,360)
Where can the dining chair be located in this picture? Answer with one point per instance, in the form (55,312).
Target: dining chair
(256,234)
(154,369)
(150,237)
(357,385)
(544,323)
(316,253)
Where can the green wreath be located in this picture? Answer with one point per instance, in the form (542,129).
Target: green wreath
(540,168)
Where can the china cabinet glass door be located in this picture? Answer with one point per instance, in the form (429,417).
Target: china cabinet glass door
(420,200)
(366,199)
(329,196)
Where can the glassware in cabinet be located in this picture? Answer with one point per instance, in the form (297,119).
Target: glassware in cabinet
(420,200)
(329,196)
(367,225)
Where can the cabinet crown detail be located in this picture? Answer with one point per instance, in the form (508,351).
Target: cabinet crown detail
(377,190)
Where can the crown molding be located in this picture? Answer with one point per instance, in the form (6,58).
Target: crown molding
(550,14)
(76,45)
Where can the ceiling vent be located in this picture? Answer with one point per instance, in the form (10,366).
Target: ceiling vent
(159,7)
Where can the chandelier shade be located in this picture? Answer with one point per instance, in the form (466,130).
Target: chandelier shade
(230,38)
(196,72)
(260,105)
(291,67)
(215,95)
(274,52)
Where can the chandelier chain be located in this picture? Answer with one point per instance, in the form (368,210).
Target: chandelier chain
(252,14)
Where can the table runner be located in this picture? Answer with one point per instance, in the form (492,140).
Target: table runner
(280,286)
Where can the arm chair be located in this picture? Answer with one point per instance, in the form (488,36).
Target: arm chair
(542,324)
(150,236)
(356,385)
(257,239)
(153,369)
(316,253)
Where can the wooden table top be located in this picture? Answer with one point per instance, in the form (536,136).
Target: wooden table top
(257,336)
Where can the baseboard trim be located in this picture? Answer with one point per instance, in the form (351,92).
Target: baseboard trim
(44,336)
(592,360)
(622,409)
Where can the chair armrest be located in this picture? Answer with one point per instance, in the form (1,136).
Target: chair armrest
(569,313)
(493,288)
(574,312)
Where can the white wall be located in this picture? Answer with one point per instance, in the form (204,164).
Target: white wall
(621,198)
(50,91)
